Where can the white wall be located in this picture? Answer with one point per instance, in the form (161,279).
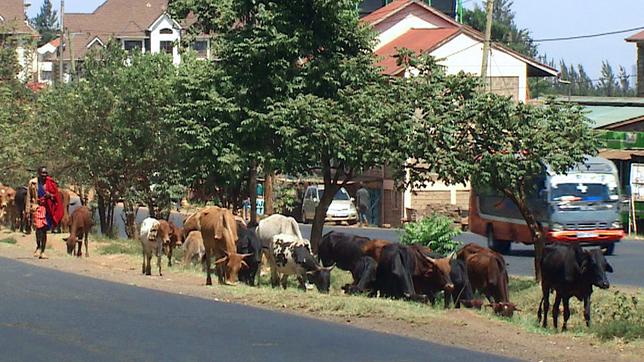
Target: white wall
(466,53)
(411,21)
(156,37)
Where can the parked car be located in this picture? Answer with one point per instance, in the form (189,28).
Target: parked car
(342,208)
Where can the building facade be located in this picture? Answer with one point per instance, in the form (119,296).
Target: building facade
(15,28)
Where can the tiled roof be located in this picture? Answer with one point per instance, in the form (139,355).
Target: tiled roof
(113,19)
(12,18)
(639,37)
(417,40)
(386,10)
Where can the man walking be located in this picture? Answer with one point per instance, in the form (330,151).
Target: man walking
(364,203)
(46,205)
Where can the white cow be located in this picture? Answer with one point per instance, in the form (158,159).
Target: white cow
(152,237)
(274,225)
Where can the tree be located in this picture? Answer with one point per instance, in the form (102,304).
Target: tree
(607,82)
(504,29)
(624,82)
(46,22)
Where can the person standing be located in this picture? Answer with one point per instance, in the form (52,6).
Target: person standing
(46,204)
(364,204)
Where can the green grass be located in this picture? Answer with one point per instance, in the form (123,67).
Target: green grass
(121,246)
(11,241)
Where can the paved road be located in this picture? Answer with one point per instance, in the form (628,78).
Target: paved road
(628,259)
(49,315)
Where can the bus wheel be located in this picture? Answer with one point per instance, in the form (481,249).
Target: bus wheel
(500,246)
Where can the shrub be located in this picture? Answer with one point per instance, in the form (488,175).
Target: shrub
(620,317)
(435,232)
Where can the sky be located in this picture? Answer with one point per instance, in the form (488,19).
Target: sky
(544,19)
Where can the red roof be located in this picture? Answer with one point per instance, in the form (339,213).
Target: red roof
(417,40)
(639,37)
(386,10)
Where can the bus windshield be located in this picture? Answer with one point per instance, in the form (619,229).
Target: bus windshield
(589,192)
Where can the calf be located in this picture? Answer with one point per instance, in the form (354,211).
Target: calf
(486,270)
(290,255)
(7,205)
(152,236)
(23,216)
(194,251)
(249,244)
(176,239)
(571,272)
(81,224)
(462,292)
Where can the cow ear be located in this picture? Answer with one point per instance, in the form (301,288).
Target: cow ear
(609,268)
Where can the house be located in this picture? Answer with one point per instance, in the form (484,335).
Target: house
(638,39)
(448,7)
(15,28)
(138,25)
(414,25)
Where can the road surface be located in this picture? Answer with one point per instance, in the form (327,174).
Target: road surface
(48,315)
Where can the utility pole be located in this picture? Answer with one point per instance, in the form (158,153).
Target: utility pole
(70,38)
(488,39)
(62,42)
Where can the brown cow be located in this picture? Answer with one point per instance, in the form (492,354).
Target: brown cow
(219,231)
(488,274)
(7,205)
(66,221)
(193,248)
(176,239)
(79,229)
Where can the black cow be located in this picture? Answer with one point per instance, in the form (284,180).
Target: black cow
(571,272)
(349,252)
(248,243)
(462,292)
(23,215)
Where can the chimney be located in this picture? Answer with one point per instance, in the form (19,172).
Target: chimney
(640,69)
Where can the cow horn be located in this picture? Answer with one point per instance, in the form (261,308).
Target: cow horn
(226,252)
(221,260)
(604,250)
(430,259)
(246,255)
(330,267)
(452,255)
(311,272)
(243,263)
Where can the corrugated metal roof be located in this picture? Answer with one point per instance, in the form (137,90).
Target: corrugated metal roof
(604,116)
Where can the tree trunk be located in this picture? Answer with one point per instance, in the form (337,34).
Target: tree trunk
(536,233)
(152,211)
(320,215)
(129,219)
(110,217)
(252,191)
(268,193)
(102,212)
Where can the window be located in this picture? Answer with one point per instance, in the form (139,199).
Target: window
(201,47)
(132,45)
(166,47)
(166,31)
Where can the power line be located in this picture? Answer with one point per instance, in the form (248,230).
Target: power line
(587,35)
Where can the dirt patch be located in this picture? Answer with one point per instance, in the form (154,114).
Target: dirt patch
(463,328)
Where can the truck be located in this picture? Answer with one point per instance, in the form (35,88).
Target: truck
(582,205)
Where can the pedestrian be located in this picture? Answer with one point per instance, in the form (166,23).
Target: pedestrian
(49,208)
(364,203)
(246,209)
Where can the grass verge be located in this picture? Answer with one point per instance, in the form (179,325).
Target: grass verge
(11,241)
(118,246)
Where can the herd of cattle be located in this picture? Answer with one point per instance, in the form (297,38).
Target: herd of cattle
(378,267)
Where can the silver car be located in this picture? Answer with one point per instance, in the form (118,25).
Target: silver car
(341,209)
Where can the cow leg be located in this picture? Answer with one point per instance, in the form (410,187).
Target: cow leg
(208,278)
(143,266)
(170,254)
(79,247)
(587,310)
(87,244)
(566,313)
(284,281)
(274,276)
(159,256)
(546,305)
(302,282)
(148,267)
(555,309)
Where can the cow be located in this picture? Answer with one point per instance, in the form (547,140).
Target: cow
(81,224)
(193,248)
(406,272)
(176,239)
(457,269)
(290,255)
(571,272)
(274,225)
(356,254)
(248,243)
(152,236)
(487,272)
(219,231)
(65,222)
(23,216)
(7,205)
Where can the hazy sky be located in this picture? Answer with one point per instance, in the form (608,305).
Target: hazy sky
(544,19)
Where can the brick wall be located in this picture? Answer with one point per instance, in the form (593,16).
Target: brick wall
(505,86)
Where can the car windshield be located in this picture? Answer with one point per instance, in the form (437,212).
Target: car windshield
(341,195)
(581,192)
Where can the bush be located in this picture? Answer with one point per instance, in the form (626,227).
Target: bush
(435,232)
(621,317)
(628,330)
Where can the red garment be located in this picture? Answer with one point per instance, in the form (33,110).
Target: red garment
(40,220)
(54,205)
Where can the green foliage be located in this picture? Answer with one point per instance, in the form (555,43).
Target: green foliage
(11,241)
(436,232)
(123,246)
(622,317)
(285,196)
(46,23)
